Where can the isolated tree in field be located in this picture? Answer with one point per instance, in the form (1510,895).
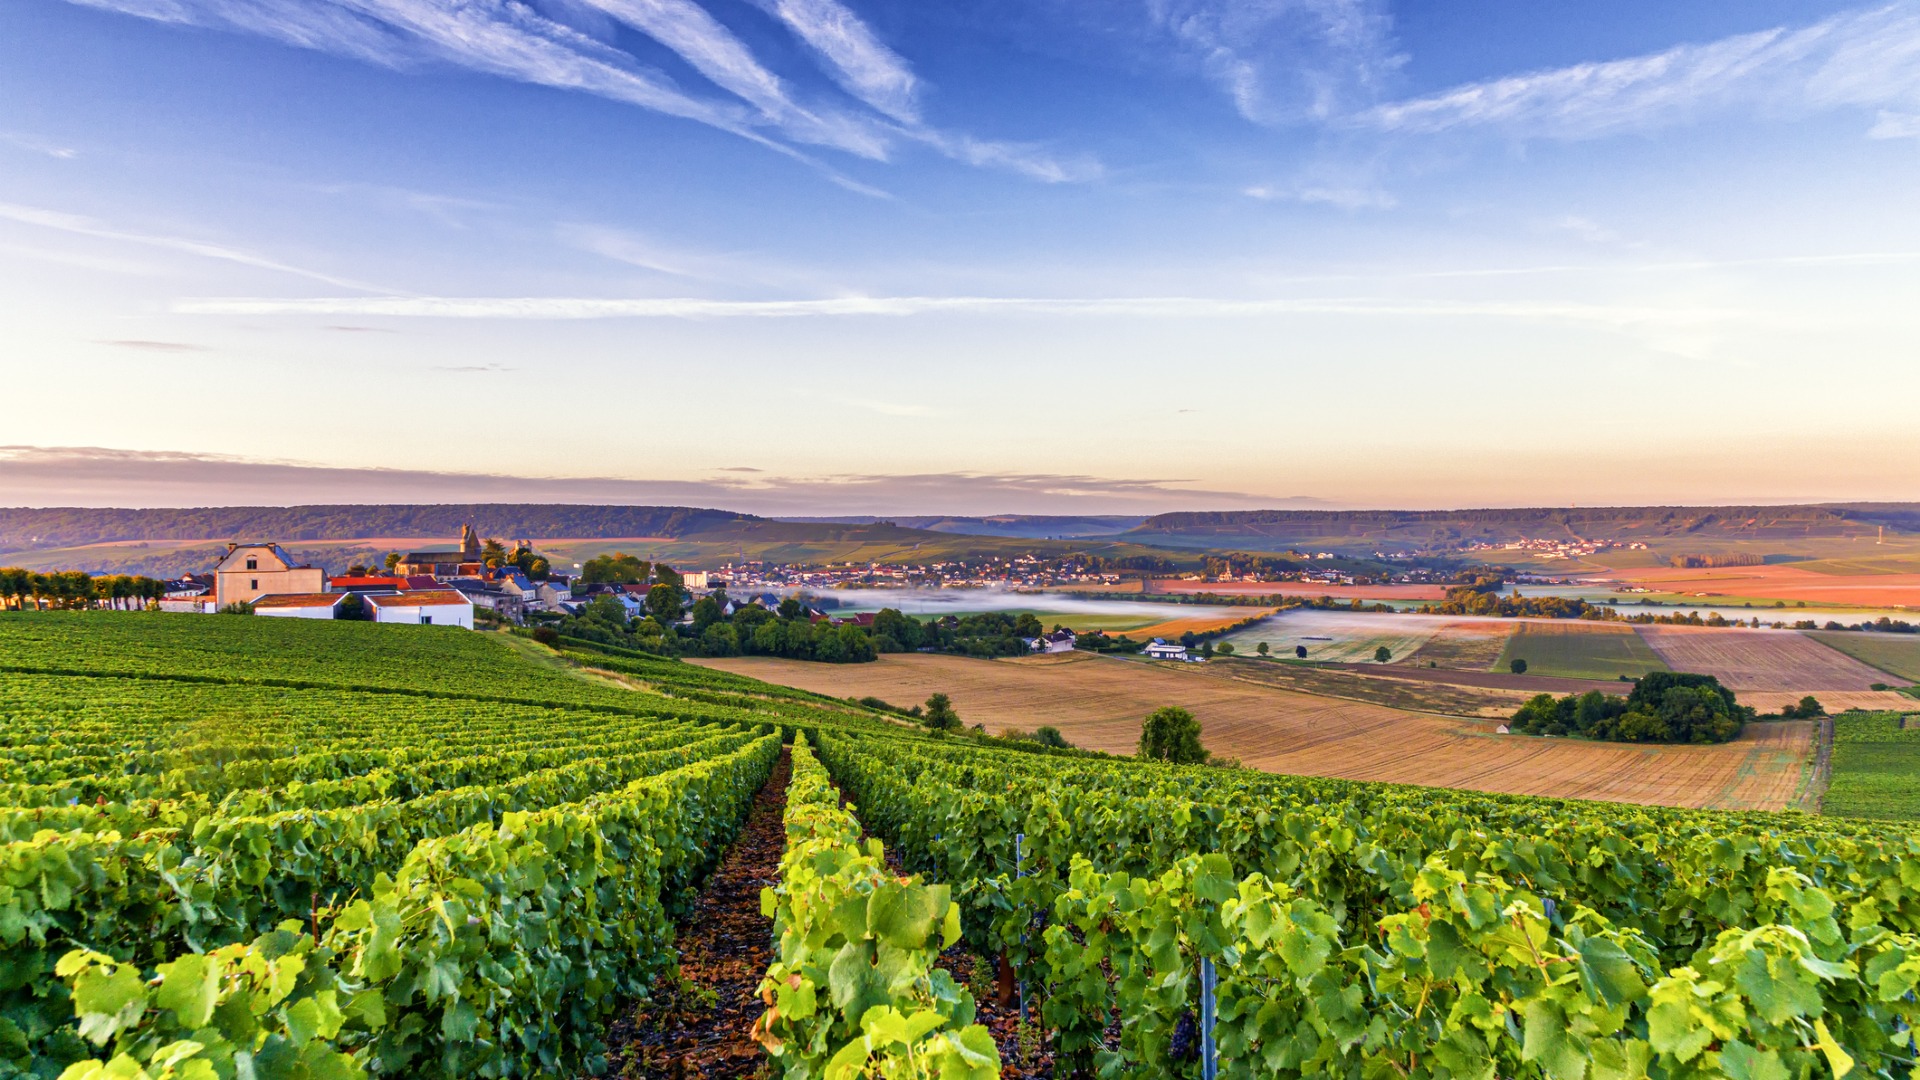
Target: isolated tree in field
(1518,666)
(1172,735)
(1226,648)
(1261,648)
(1048,735)
(663,603)
(1300,652)
(940,715)
(1382,654)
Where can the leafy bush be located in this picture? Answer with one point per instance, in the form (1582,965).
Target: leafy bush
(1664,707)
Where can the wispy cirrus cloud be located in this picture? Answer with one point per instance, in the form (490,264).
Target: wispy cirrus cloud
(859,61)
(1286,60)
(104,476)
(78,225)
(511,40)
(1866,58)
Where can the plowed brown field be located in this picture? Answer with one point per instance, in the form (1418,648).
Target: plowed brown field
(1760,659)
(1099,702)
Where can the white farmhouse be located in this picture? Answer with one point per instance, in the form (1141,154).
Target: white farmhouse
(300,605)
(425,607)
(1160,650)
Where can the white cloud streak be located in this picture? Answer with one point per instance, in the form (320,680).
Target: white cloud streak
(77,225)
(573,308)
(1866,59)
(860,62)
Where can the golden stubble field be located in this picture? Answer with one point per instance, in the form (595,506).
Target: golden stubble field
(1099,702)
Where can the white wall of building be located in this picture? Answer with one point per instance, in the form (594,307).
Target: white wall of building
(295,613)
(434,614)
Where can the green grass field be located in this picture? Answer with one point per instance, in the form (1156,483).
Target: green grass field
(1876,767)
(1896,654)
(1579,652)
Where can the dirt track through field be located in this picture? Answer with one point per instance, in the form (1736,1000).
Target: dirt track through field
(1770,660)
(1099,702)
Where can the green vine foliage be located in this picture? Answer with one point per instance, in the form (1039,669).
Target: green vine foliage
(855,991)
(1365,930)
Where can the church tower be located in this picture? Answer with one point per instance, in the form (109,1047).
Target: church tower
(469,543)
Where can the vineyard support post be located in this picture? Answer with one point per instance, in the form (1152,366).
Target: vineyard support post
(1209,1054)
(1019,871)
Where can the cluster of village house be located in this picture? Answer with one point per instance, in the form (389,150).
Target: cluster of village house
(440,588)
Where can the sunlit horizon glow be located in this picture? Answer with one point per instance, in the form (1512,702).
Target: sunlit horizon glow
(837,257)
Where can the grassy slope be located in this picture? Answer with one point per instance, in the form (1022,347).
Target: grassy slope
(1896,654)
(1579,652)
(1876,768)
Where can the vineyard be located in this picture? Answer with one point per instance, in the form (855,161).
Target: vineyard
(261,848)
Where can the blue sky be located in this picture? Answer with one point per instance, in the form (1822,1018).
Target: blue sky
(854,256)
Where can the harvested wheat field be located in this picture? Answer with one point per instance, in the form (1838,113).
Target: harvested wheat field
(1099,702)
(1760,659)
(1218,619)
(1834,701)
(1896,654)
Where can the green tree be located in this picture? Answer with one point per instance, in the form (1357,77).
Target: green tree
(618,568)
(1261,648)
(940,715)
(1382,655)
(351,608)
(667,575)
(706,611)
(1226,648)
(1048,735)
(1173,735)
(1518,666)
(494,554)
(663,603)
(393,560)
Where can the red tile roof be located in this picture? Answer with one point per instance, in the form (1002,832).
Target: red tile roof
(362,582)
(420,598)
(421,581)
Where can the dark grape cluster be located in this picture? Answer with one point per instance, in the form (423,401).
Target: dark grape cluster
(1186,1039)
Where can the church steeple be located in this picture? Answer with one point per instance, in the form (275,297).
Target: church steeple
(469,543)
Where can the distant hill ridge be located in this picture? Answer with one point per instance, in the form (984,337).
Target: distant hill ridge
(25,529)
(1509,524)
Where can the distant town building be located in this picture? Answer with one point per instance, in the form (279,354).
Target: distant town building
(427,607)
(368,583)
(464,562)
(250,571)
(1057,642)
(694,579)
(300,605)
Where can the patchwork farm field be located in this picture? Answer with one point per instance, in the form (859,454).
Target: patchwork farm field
(1175,586)
(1579,650)
(1099,702)
(1341,636)
(1776,660)
(1466,646)
(1896,654)
(1876,761)
(1788,582)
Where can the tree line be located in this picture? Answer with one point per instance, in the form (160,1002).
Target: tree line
(22,589)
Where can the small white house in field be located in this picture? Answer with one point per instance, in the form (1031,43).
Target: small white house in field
(424,607)
(299,605)
(1160,650)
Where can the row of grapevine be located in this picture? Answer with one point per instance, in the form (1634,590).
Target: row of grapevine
(1369,929)
(855,990)
(500,950)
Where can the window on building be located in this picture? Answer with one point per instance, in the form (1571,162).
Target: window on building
(253,583)
(253,564)
(426,620)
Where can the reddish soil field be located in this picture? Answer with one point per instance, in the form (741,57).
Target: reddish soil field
(1774,660)
(1783,583)
(1308,589)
